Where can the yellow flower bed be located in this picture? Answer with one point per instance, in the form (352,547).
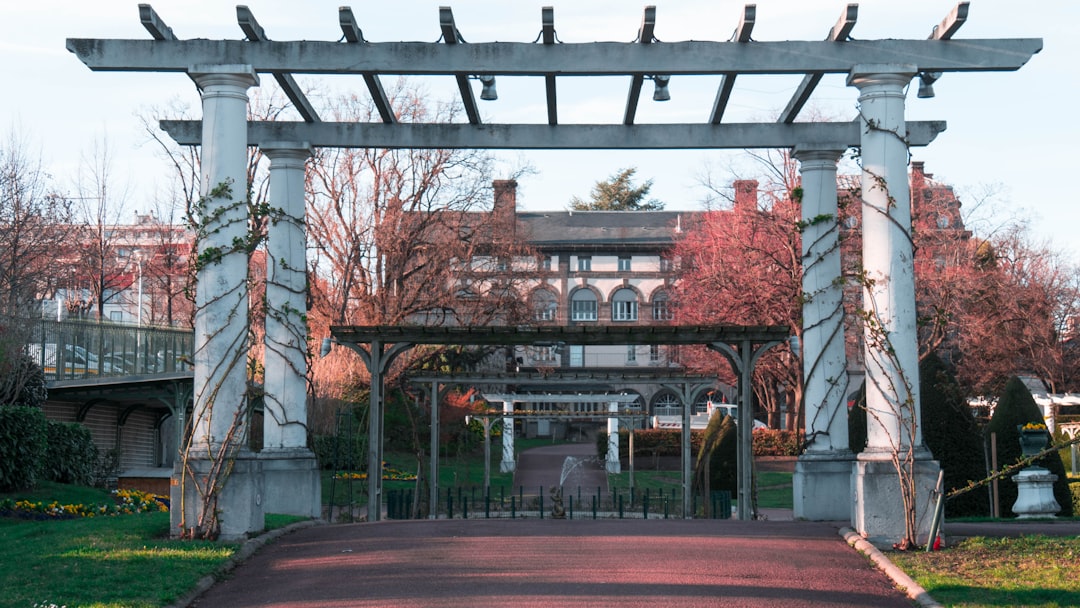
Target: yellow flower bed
(127,501)
(1034,426)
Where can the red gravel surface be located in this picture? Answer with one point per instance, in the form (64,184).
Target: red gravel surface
(532,563)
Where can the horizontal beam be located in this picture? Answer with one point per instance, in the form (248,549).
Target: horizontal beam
(516,58)
(557,137)
(552,334)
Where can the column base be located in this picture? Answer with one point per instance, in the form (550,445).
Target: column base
(613,466)
(292,484)
(822,486)
(878,513)
(1035,496)
(507,466)
(239,504)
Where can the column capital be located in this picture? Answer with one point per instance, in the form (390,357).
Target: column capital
(808,153)
(237,75)
(280,152)
(884,74)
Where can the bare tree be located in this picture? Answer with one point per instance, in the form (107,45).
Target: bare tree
(34,225)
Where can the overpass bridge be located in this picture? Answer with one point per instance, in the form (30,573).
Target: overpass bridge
(130,386)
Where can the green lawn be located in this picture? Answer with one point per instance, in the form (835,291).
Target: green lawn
(1033,571)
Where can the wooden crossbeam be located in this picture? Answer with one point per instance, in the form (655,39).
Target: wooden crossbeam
(285,80)
(646,33)
(547,16)
(558,137)
(727,82)
(838,33)
(451,37)
(353,35)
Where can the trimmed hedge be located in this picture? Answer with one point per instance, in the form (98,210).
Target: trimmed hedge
(23,437)
(953,436)
(71,456)
(668,442)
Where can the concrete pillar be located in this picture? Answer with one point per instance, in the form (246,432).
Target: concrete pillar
(890,339)
(508,463)
(292,482)
(613,462)
(221,316)
(822,481)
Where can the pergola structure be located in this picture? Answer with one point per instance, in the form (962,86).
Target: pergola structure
(881,70)
(378,346)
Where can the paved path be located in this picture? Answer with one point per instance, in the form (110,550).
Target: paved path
(541,563)
(534,563)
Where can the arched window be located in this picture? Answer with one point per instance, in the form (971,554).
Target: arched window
(667,404)
(583,305)
(624,305)
(545,306)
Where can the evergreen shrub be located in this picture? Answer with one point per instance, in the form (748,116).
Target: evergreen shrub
(71,456)
(1016,407)
(23,438)
(953,436)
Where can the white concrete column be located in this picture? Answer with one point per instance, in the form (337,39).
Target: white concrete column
(508,463)
(220,414)
(285,362)
(891,342)
(823,355)
(291,477)
(613,463)
(822,480)
(221,300)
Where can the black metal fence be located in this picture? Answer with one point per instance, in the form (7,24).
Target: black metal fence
(567,503)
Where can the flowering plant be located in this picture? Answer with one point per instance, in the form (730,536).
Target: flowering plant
(127,501)
(1033,426)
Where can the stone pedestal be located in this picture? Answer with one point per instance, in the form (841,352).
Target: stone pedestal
(822,486)
(878,513)
(1035,496)
(291,482)
(239,504)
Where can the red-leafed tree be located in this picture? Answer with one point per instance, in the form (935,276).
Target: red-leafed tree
(741,266)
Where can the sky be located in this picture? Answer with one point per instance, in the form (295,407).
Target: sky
(1008,147)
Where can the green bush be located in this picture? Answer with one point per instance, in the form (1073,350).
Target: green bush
(1015,408)
(953,436)
(857,420)
(23,439)
(1074,490)
(335,452)
(719,448)
(71,456)
(770,442)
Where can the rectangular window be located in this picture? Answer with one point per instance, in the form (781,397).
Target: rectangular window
(583,310)
(577,356)
(624,263)
(624,311)
(654,353)
(666,264)
(584,263)
(631,353)
(661,311)
(116,316)
(545,263)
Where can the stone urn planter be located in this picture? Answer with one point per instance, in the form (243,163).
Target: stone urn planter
(1035,485)
(1033,438)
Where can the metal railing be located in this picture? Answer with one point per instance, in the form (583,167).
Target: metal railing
(77,350)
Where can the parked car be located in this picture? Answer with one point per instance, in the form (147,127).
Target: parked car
(74,360)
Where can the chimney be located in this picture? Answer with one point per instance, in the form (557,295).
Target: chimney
(505,196)
(746,193)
